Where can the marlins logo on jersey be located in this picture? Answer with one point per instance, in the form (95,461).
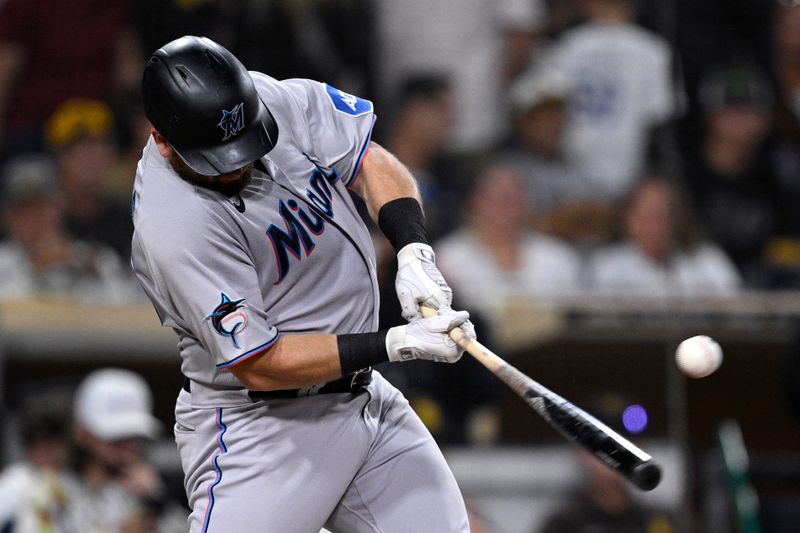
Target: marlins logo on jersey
(229,318)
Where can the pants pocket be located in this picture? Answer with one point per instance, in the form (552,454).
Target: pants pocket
(182,426)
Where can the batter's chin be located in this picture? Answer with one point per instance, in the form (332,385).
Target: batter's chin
(227,184)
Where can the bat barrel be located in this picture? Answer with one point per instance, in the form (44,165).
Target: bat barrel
(603,442)
(572,422)
(646,475)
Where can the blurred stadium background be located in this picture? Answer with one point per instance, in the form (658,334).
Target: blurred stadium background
(703,94)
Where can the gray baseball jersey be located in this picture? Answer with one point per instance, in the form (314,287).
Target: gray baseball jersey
(289,254)
(230,275)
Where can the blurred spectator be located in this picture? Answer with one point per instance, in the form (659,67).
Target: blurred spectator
(624,93)
(603,501)
(418,136)
(106,483)
(662,254)
(53,50)
(480,45)
(604,504)
(728,173)
(161,21)
(786,45)
(783,252)
(112,415)
(80,135)
(494,259)
(565,203)
(35,491)
(39,259)
(291,38)
(562,15)
(714,32)
(131,132)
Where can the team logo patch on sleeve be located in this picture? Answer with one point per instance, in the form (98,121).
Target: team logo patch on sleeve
(229,318)
(348,103)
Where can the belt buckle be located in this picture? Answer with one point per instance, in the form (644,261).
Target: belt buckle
(361,379)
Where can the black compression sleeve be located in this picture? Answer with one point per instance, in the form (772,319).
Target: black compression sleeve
(403,222)
(360,350)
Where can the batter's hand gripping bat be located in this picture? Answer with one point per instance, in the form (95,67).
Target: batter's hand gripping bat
(575,424)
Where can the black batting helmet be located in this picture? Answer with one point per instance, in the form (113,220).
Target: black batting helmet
(202,100)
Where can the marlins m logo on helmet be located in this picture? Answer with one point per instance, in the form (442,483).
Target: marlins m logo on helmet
(232,121)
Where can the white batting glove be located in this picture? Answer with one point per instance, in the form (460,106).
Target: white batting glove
(427,338)
(419,282)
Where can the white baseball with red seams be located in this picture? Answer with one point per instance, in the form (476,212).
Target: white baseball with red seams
(698,356)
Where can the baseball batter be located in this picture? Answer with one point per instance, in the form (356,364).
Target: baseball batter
(250,248)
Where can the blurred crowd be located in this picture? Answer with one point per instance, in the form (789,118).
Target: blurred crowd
(85,466)
(563,148)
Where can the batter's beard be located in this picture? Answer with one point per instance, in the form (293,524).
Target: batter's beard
(228,187)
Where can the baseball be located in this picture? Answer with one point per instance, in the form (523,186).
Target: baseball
(698,356)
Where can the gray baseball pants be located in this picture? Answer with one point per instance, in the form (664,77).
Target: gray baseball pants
(351,463)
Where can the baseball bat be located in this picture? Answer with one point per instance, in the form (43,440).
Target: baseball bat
(572,422)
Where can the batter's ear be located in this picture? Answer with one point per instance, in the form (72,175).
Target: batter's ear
(163,147)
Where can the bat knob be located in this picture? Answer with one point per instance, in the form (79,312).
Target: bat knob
(646,476)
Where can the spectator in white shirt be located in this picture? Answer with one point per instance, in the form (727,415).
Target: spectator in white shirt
(624,91)
(35,489)
(662,255)
(565,202)
(39,259)
(495,260)
(479,46)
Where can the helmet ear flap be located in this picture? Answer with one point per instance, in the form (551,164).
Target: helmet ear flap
(203,101)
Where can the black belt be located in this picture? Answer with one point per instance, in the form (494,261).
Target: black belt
(352,383)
